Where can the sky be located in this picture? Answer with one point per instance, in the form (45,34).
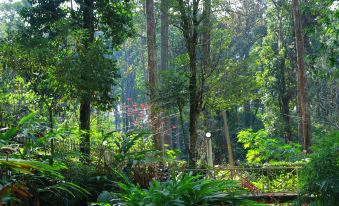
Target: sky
(6,1)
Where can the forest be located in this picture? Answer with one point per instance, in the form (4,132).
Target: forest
(169,102)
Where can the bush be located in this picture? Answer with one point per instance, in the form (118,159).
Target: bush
(31,182)
(320,177)
(24,181)
(185,190)
(261,148)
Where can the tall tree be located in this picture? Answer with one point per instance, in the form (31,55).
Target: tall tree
(189,24)
(206,37)
(228,140)
(85,65)
(302,82)
(282,16)
(85,102)
(164,6)
(152,73)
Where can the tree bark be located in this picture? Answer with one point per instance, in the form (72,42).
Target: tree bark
(190,24)
(164,5)
(152,73)
(85,103)
(206,36)
(51,126)
(247,115)
(302,82)
(228,140)
(164,34)
(285,112)
(283,95)
(184,143)
(206,59)
(299,115)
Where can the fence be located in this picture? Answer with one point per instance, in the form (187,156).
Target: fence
(269,179)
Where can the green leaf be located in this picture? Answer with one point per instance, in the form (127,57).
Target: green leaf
(25,119)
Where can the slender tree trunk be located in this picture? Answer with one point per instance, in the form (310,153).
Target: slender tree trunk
(85,109)
(85,103)
(228,140)
(166,134)
(285,112)
(152,73)
(184,142)
(174,132)
(190,24)
(299,115)
(117,119)
(302,82)
(206,53)
(256,109)
(236,118)
(164,34)
(51,126)
(206,36)
(247,115)
(194,110)
(283,96)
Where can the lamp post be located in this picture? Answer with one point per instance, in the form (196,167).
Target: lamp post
(209,150)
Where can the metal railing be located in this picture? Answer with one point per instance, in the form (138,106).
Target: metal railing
(265,179)
(268,179)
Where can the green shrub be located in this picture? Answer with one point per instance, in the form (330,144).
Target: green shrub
(184,190)
(29,180)
(320,177)
(261,148)
(94,179)
(25,181)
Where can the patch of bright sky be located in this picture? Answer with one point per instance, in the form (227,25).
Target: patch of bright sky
(66,4)
(7,1)
(335,6)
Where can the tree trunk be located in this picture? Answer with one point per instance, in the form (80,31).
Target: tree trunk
(283,95)
(174,134)
(206,36)
(51,127)
(166,134)
(206,53)
(85,103)
(85,110)
(194,110)
(247,115)
(285,112)
(190,24)
(117,119)
(236,118)
(305,116)
(164,34)
(228,140)
(152,73)
(299,115)
(184,142)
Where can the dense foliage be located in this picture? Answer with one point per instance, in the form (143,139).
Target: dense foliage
(109,102)
(320,176)
(183,190)
(263,149)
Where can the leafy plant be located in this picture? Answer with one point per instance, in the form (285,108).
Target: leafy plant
(320,177)
(261,148)
(30,180)
(182,190)
(25,179)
